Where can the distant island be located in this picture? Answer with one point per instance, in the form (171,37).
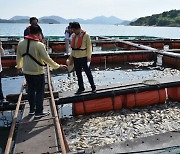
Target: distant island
(59,20)
(165,19)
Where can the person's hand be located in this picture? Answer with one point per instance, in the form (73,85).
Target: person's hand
(89,59)
(19,70)
(63,67)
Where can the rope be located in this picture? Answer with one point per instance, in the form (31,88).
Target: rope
(84,106)
(4,119)
(113,99)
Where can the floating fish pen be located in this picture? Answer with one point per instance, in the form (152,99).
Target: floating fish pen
(128,95)
(92,127)
(104,49)
(120,115)
(56,44)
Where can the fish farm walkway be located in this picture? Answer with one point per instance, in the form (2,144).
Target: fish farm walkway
(36,135)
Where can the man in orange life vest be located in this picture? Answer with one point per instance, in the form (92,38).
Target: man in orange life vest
(81,54)
(32,21)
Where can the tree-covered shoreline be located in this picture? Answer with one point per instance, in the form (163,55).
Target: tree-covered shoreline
(168,19)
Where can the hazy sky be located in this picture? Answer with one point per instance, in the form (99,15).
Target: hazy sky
(86,9)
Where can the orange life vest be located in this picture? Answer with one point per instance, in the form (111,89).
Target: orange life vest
(79,41)
(32,37)
(40,37)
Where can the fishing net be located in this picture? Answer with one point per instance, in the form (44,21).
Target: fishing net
(6,117)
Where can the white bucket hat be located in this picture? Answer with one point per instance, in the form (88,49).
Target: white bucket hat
(70,65)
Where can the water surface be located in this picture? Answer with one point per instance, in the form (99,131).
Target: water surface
(9,29)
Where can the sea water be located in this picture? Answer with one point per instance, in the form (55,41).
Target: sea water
(17,29)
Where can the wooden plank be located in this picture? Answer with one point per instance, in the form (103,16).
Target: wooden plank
(14,97)
(139,46)
(36,135)
(161,143)
(170,54)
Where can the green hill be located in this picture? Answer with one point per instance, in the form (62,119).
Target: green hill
(168,18)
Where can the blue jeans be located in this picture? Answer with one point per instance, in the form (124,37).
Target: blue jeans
(36,86)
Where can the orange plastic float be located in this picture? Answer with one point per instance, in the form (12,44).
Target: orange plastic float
(98,105)
(145,98)
(58,48)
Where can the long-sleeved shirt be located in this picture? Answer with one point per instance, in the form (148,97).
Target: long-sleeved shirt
(86,44)
(38,51)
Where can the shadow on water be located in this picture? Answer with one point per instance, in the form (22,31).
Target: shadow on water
(4,132)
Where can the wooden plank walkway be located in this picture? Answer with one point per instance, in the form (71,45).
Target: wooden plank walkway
(36,136)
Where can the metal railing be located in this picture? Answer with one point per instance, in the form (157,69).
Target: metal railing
(60,134)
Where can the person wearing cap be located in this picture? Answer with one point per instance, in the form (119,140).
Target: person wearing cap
(1,54)
(32,21)
(81,55)
(32,57)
